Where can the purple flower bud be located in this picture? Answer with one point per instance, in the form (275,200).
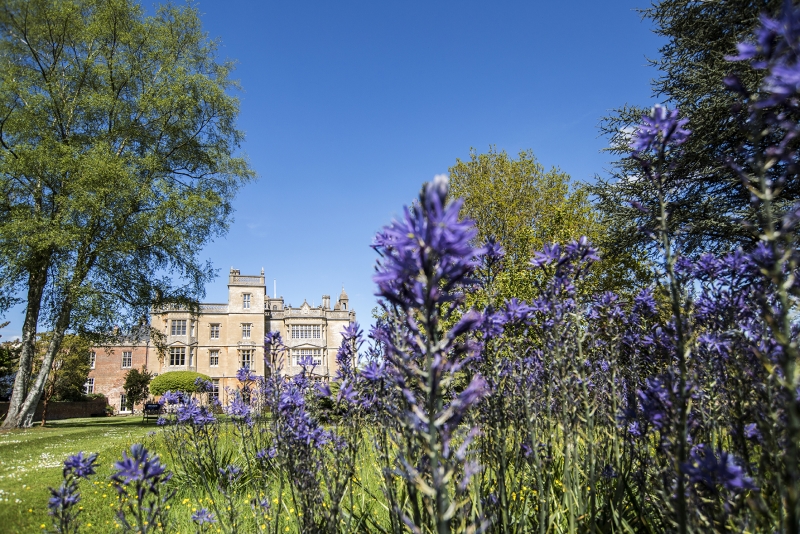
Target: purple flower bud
(468,322)
(323,389)
(752,432)
(63,498)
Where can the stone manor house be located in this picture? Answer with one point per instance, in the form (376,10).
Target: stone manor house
(223,338)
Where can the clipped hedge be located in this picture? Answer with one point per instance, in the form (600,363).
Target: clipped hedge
(176,381)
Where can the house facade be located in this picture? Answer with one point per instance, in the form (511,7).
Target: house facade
(224,337)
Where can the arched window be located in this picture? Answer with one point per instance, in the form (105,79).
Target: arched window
(274,306)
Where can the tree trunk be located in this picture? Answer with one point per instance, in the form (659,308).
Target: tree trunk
(25,414)
(37,280)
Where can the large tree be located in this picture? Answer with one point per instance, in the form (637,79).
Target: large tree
(522,206)
(118,162)
(706,200)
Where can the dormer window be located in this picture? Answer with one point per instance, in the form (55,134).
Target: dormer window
(246,301)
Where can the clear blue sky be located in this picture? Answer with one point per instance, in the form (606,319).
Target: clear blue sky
(348,107)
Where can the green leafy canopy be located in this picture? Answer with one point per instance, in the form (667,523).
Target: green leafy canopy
(522,206)
(118,163)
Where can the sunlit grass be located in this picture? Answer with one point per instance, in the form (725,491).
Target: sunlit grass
(31,460)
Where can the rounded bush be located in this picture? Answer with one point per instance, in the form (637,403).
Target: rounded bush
(176,381)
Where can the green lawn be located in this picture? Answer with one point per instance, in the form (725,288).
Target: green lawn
(31,460)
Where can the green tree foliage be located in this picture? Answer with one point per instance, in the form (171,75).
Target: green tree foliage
(176,381)
(137,387)
(523,207)
(706,201)
(69,371)
(117,162)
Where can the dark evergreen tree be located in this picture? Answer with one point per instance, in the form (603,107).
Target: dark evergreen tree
(706,202)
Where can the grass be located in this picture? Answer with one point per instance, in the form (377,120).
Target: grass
(31,461)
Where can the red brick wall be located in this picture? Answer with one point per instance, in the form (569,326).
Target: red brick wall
(108,373)
(64,410)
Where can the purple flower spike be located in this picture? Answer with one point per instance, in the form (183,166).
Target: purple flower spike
(428,234)
(203,385)
(776,46)
(245,374)
(79,465)
(373,372)
(709,469)
(139,466)
(171,397)
(661,128)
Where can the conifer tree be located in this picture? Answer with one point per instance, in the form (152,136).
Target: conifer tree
(706,201)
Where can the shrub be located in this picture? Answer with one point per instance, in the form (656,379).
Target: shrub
(176,381)
(137,387)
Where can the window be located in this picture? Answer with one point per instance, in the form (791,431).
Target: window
(214,331)
(177,356)
(307,357)
(92,359)
(89,386)
(306,331)
(274,306)
(247,359)
(246,330)
(179,327)
(122,402)
(214,393)
(126,360)
(246,301)
(213,358)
